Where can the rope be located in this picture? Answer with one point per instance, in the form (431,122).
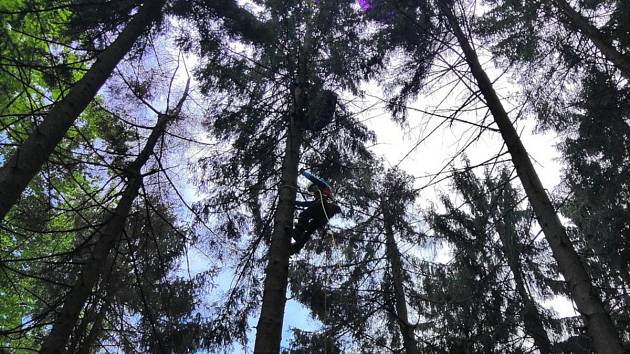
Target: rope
(332,234)
(321,201)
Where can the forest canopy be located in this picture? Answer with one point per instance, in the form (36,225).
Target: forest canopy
(314,176)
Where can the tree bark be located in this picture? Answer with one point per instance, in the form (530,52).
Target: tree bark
(269,328)
(598,322)
(107,237)
(89,315)
(26,162)
(391,248)
(582,24)
(531,317)
(97,328)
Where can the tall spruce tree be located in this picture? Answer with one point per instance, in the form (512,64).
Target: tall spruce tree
(589,303)
(584,102)
(600,326)
(271,90)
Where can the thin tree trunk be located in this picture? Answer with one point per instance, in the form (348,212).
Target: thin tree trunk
(531,317)
(109,285)
(97,328)
(107,238)
(106,284)
(26,162)
(599,324)
(406,329)
(78,334)
(583,25)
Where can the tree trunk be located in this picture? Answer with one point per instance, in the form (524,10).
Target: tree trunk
(269,328)
(26,162)
(531,316)
(599,324)
(97,327)
(89,315)
(107,238)
(582,24)
(109,285)
(393,255)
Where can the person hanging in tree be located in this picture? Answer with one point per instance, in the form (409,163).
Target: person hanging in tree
(317,212)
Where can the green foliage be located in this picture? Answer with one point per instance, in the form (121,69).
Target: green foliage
(475,304)
(34,70)
(596,178)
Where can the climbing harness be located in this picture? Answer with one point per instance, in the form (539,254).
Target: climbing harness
(321,201)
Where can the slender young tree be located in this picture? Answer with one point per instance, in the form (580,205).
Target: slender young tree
(494,209)
(531,317)
(397,274)
(106,237)
(19,169)
(486,288)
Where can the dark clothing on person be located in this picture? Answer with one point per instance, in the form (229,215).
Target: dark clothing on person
(316,215)
(311,219)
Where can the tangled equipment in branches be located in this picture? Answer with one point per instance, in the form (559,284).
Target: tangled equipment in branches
(321,110)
